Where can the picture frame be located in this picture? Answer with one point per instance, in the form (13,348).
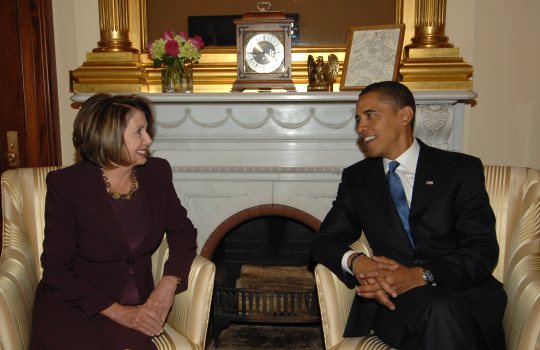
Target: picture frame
(372,54)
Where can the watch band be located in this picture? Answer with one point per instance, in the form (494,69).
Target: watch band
(353,259)
(428,277)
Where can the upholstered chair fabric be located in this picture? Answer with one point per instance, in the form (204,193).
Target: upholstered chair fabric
(23,201)
(514,194)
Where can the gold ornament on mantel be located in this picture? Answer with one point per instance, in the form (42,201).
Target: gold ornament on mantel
(321,75)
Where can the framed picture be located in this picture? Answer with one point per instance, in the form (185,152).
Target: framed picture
(372,55)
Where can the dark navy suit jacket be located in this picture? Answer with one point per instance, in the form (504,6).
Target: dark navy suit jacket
(451,221)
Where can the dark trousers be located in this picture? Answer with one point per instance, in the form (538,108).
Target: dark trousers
(428,318)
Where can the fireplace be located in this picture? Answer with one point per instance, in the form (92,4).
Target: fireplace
(264,270)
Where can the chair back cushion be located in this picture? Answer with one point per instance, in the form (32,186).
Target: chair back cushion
(23,199)
(504,187)
(522,265)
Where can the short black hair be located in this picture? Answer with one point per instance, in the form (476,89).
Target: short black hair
(393,93)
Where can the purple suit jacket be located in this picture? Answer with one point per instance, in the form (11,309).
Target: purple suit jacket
(85,258)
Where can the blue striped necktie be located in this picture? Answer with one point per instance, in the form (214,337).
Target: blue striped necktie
(399,198)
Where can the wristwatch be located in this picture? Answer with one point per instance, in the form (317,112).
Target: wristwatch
(352,258)
(428,277)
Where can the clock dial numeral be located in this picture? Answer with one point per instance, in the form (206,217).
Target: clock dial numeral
(264,53)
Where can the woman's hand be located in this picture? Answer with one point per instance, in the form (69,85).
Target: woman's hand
(141,318)
(161,299)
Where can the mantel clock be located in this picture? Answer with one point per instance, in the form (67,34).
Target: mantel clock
(263,42)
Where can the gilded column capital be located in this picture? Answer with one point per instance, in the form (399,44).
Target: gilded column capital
(430,61)
(429,24)
(114,27)
(114,66)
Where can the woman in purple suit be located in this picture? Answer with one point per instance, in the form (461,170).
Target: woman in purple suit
(104,217)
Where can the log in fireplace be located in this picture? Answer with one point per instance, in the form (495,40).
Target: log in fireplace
(264,275)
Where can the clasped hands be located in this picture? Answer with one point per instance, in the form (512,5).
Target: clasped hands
(149,317)
(382,278)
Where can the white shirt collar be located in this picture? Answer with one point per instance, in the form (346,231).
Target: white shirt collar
(407,160)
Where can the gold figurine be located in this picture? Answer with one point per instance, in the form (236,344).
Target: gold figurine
(322,75)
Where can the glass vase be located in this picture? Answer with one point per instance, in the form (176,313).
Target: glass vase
(178,77)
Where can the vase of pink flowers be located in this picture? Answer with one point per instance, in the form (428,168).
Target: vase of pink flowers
(176,53)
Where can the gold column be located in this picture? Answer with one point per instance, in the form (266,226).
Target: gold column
(429,23)
(430,61)
(114,66)
(114,27)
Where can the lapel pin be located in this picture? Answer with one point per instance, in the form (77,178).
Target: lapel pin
(429,182)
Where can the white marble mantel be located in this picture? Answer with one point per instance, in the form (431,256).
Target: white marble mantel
(233,151)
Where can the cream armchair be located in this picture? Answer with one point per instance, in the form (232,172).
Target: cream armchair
(23,200)
(515,197)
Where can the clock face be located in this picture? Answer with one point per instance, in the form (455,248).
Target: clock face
(264,53)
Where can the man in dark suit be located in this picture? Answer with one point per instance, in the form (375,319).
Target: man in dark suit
(426,215)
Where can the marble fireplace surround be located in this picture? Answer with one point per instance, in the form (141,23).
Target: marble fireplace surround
(237,156)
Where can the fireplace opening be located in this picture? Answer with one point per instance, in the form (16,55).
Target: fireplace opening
(264,274)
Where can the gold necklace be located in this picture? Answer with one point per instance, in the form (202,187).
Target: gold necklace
(117,195)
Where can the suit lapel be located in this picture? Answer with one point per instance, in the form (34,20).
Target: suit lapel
(99,208)
(144,187)
(377,186)
(424,182)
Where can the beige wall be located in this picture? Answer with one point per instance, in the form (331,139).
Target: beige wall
(76,31)
(507,56)
(497,36)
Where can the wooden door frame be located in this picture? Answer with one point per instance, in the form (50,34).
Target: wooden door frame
(41,144)
(40,88)
(40,141)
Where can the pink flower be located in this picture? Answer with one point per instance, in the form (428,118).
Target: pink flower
(171,47)
(197,42)
(174,47)
(168,35)
(183,36)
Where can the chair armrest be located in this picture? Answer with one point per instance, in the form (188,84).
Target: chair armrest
(335,301)
(191,309)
